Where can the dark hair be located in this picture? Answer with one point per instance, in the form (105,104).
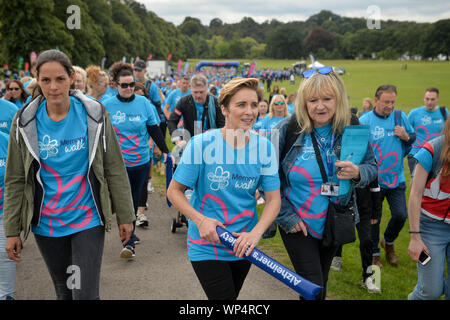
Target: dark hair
(54,56)
(24,94)
(432,89)
(141,86)
(120,69)
(383,88)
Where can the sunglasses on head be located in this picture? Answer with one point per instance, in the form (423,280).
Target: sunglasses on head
(126,85)
(323,70)
(278,102)
(11,89)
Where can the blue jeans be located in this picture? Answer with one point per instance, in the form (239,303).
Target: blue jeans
(397,203)
(7,268)
(431,282)
(137,177)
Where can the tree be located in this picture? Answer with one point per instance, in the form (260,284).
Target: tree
(88,39)
(319,38)
(285,42)
(27,26)
(438,39)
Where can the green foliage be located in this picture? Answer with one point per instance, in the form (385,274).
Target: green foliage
(117,28)
(109,28)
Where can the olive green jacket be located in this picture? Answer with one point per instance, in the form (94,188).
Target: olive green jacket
(107,176)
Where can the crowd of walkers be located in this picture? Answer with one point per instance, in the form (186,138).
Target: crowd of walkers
(78,148)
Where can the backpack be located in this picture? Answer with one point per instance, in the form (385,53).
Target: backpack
(398,122)
(444,114)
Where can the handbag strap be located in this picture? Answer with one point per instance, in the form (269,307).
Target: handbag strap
(319,158)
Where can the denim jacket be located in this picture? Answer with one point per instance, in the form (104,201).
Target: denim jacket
(287,217)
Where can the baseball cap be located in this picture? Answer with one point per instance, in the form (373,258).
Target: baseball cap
(139,65)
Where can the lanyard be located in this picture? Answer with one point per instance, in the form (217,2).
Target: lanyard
(328,153)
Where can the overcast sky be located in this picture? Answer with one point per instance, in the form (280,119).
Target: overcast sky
(230,11)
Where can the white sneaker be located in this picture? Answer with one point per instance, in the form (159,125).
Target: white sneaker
(370,285)
(336,264)
(141,220)
(150,188)
(260,201)
(127,253)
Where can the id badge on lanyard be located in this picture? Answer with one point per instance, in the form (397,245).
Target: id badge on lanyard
(329,188)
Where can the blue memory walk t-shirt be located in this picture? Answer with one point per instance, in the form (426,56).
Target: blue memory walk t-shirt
(268,123)
(173,98)
(68,205)
(3,152)
(387,147)
(305,181)
(7,112)
(427,125)
(224,181)
(130,121)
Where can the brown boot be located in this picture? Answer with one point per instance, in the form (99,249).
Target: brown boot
(376,260)
(391,256)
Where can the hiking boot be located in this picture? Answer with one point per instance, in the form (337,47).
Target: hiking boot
(370,285)
(391,256)
(376,261)
(127,253)
(336,264)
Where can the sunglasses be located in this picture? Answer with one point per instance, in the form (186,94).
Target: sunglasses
(126,85)
(324,70)
(12,89)
(278,103)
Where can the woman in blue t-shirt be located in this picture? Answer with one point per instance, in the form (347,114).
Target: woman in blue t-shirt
(277,111)
(263,110)
(15,93)
(224,167)
(134,121)
(64,180)
(96,83)
(321,113)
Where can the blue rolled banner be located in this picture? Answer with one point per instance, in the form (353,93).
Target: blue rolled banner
(305,288)
(169,173)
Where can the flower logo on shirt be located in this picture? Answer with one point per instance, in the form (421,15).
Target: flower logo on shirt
(48,147)
(119,117)
(426,120)
(378,133)
(219,179)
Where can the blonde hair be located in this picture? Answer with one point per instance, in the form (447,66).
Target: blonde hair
(83,74)
(236,84)
(369,101)
(272,112)
(321,85)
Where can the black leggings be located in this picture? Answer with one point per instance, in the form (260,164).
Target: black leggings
(221,280)
(309,257)
(78,254)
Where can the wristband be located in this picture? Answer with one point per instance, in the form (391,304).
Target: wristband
(414,232)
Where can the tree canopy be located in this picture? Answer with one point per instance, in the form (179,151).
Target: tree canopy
(118,28)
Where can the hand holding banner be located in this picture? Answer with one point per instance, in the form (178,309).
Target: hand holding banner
(307,289)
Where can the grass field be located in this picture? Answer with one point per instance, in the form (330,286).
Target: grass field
(364,76)
(361,79)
